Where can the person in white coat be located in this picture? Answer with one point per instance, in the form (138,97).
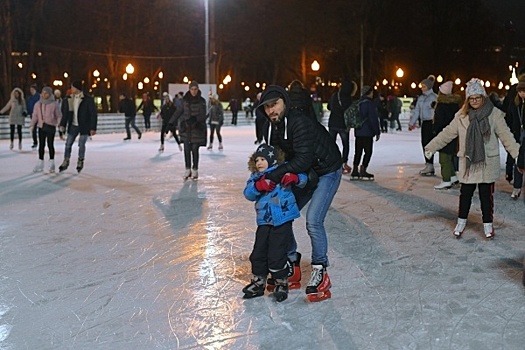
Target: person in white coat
(479,127)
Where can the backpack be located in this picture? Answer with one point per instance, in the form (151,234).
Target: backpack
(353,118)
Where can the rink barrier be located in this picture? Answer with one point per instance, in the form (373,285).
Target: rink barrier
(109,123)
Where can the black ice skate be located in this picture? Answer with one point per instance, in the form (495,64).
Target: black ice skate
(281,289)
(355,173)
(80,164)
(255,288)
(318,288)
(64,165)
(294,275)
(363,175)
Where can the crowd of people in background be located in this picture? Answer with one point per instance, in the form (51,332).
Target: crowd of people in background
(289,122)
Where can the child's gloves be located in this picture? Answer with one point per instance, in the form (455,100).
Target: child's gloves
(289,179)
(264,185)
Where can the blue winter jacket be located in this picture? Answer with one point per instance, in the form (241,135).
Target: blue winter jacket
(277,207)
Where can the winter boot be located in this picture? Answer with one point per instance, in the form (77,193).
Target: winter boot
(39,167)
(255,288)
(80,164)
(355,173)
(460,227)
(318,288)
(220,146)
(210,146)
(444,185)
(363,175)
(281,289)
(51,165)
(187,174)
(488,229)
(428,170)
(64,165)
(194,174)
(294,275)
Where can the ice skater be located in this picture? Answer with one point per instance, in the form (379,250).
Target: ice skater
(276,209)
(479,127)
(309,149)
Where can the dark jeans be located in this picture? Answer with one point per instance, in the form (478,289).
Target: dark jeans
(147,121)
(270,248)
(234,117)
(215,128)
(131,121)
(365,144)
(393,120)
(345,140)
(19,131)
(486,198)
(427,134)
(191,150)
(49,138)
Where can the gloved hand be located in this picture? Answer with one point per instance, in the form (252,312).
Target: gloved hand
(428,154)
(62,129)
(289,179)
(265,185)
(377,137)
(411,127)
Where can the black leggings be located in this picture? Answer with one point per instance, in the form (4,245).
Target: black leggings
(44,136)
(19,129)
(486,197)
(164,129)
(217,129)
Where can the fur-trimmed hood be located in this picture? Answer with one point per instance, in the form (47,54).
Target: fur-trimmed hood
(452,98)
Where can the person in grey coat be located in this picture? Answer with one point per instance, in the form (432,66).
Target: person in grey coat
(17,113)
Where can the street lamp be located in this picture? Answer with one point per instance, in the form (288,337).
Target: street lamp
(129,71)
(400,73)
(315,66)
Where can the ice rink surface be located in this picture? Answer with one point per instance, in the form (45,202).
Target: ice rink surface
(126,255)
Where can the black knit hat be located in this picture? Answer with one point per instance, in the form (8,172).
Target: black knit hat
(77,84)
(268,152)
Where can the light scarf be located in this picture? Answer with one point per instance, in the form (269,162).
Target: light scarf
(478,132)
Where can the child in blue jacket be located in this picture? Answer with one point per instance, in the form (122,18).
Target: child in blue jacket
(276,209)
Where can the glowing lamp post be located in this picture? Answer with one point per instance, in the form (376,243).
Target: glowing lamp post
(129,71)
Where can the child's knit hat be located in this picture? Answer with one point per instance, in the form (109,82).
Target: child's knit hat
(268,152)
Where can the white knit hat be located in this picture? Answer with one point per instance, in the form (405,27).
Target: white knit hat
(474,87)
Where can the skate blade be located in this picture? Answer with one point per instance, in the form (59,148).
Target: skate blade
(316,297)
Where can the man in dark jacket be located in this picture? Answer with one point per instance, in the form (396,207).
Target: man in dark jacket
(79,114)
(309,149)
(364,136)
(127,106)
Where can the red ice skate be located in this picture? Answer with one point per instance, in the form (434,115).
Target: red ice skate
(294,275)
(318,288)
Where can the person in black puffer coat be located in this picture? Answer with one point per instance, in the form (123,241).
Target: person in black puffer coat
(191,121)
(309,149)
(339,102)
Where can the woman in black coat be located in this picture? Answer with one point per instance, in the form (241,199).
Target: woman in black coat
(191,121)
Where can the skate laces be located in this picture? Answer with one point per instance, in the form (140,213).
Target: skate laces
(316,277)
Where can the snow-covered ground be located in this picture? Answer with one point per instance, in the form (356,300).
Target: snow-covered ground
(126,255)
